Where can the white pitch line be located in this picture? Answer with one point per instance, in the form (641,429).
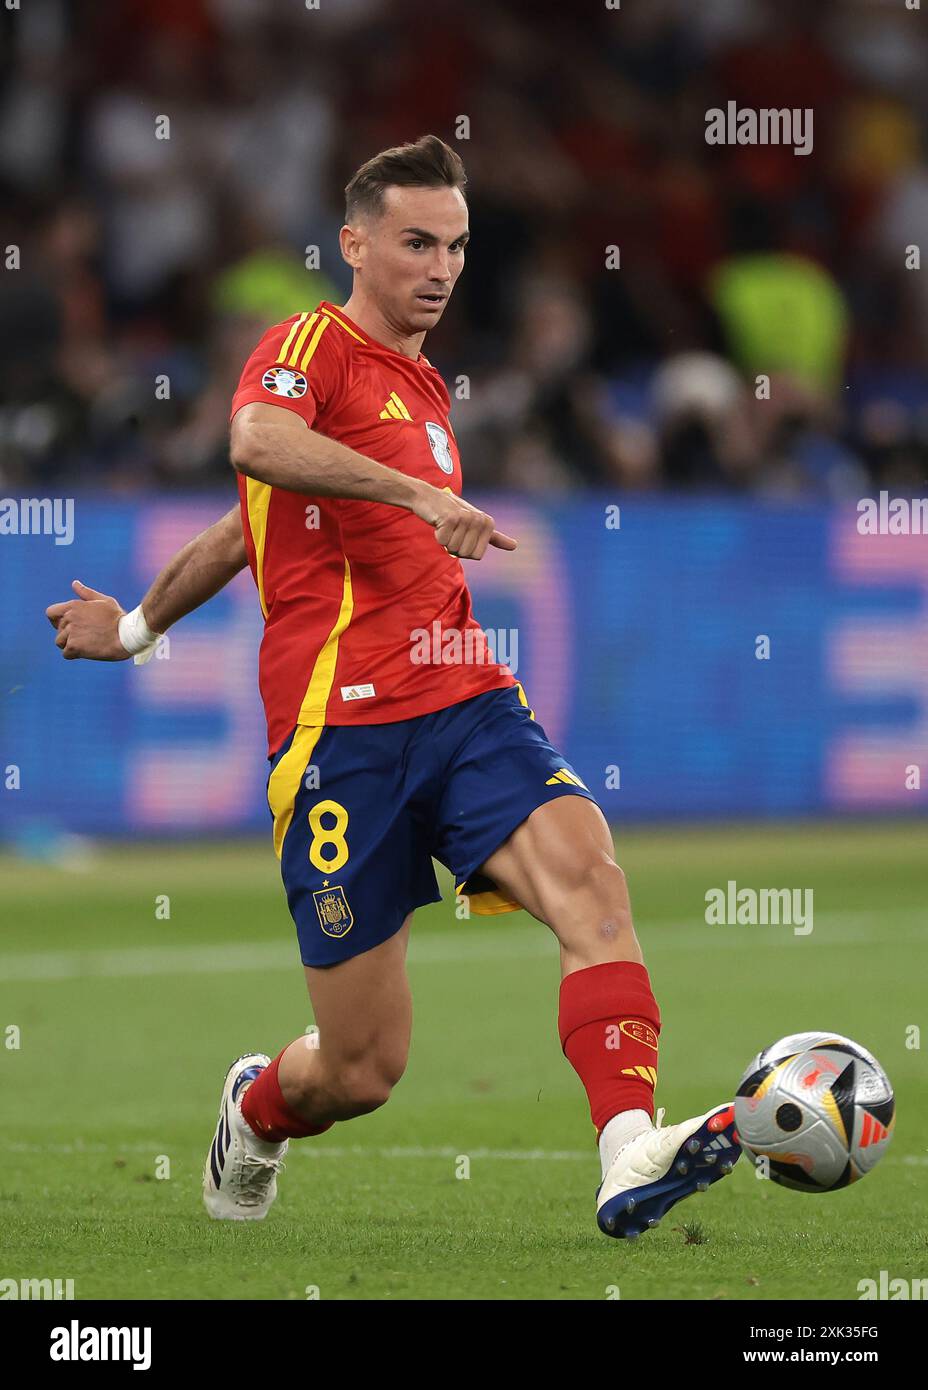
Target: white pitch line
(395,1151)
(148,960)
(459,945)
(448,1151)
(310,1151)
(237,958)
(518,1155)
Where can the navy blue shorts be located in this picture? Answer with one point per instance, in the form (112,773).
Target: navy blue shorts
(360,810)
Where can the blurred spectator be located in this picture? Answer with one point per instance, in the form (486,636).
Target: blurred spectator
(782,313)
(146,260)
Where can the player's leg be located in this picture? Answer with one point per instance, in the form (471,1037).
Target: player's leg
(519,828)
(355,866)
(363,1012)
(559,865)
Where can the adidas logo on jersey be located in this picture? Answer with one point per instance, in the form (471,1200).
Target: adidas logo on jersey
(394,409)
(564,774)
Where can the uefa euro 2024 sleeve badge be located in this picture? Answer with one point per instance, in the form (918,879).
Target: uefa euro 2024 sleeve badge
(441,451)
(335,916)
(281,381)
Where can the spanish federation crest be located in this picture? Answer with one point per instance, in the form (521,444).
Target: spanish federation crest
(335,916)
(438,438)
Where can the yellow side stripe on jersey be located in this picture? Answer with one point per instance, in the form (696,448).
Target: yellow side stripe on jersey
(258,499)
(523,700)
(314,343)
(312,710)
(286,779)
(289,338)
(300,340)
(342,324)
(489,903)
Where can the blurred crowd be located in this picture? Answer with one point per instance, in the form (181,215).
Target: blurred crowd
(640,309)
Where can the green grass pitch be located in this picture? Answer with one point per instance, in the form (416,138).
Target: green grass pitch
(127,1022)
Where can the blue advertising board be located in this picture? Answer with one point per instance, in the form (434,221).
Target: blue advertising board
(691,659)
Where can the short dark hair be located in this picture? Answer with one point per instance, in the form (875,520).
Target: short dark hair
(424,163)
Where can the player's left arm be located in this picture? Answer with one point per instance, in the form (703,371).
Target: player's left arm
(88,625)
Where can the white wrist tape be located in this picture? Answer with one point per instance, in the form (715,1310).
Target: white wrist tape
(136,636)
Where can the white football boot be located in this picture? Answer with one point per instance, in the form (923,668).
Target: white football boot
(240,1175)
(662,1165)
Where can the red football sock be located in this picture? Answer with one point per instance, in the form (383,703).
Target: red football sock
(269,1115)
(609,1023)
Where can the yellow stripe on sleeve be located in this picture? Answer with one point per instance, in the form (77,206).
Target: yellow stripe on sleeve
(289,338)
(300,340)
(313,343)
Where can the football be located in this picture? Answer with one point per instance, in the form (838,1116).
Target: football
(818,1108)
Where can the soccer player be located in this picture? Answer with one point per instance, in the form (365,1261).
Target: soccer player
(354,527)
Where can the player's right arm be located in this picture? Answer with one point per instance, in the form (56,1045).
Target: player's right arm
(276,446)
(88,625)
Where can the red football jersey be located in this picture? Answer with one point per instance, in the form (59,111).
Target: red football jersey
(361,604)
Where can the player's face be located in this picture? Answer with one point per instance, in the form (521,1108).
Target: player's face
(411,256)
